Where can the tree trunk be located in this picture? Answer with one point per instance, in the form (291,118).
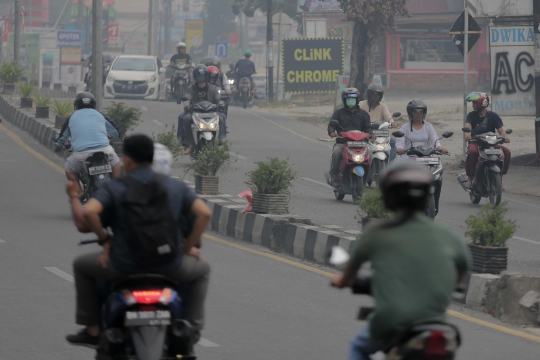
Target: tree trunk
(361,58)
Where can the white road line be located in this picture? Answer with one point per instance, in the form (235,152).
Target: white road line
(526,240)
(316,182)
(158,122)
(238,156)
(56,271)
(521,202)
(144,108)
(206,343)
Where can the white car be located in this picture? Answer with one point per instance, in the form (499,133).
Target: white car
(136,77)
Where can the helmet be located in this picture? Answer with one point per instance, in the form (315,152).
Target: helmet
(416,104)
(212,61)
(374,89)
(479,98)
(181,44)
(200,73)
(405,185)
(163,159)
(350,93)
(247,53)
(213,75)
(84,100)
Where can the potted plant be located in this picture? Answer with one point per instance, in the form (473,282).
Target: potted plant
(125,118)
(62,109)
(206,167)
(270,183)
(371,207)
(42,106)
(10,72)
(489,232)
(26,89)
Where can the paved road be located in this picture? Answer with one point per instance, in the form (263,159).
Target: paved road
(255,135)
(260,306)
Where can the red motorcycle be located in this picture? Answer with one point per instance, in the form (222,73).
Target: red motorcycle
(355,163)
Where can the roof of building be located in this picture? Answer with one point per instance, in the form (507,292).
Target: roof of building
(434,6)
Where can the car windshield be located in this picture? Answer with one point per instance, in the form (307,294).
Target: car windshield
(134,64)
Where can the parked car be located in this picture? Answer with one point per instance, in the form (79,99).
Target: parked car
(136,77)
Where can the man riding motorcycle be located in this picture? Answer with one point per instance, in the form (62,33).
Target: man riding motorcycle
(222,81)
(350,117)
(379,112)
(201,90)
(416,263)
(88,130)
(481,121)
(181,57)
(245,68)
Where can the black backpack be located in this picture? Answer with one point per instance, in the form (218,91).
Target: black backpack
(152,227)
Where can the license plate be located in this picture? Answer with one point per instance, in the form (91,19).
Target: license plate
(428,160)
(148,318)
(356,144)
(493,151)
(382,133)
(130,87)
(99,169)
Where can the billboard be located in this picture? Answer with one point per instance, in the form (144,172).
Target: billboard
(28,54)
(69,38)
(512,70)
(311,65)
(318,6)
(194,38)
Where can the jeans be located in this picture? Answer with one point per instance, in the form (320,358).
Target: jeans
(362,347)
(393,149)
(180,133)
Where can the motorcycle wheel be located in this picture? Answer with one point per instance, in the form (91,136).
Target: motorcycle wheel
(244,100)
(377,167)
(430,208)
(475,199)
(495,188)
(357,188)
(339,196)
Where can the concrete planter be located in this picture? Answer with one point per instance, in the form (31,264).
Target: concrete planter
(270,203)
(57,86)
(42,112)
(59,121)
(9,88)
(366,221)
(26,102)
(489,260)
(206,185)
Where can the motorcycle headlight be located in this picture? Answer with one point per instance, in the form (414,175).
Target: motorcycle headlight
(201,125)
(213,125)
(111,78)
(380,147)
(358,158)
(231,81)
(151,79)
(491,139)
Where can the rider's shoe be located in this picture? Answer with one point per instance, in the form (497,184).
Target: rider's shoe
(83,338)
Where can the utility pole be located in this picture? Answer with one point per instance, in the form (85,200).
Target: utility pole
(155,27)
(150,28)
(80,10)
(465,69)
(536,14)
(269,50)
(17,30)
(97,58)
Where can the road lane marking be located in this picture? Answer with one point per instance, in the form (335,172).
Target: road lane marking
(520,202)
(158,122)
(453,313)
(317,182)
(22,144)
(238,156)
(56,271)
(207,343)
(144,108)
(526,240)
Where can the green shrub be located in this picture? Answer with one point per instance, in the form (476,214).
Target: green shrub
(26,88)
(371,205)
(489,228)
(10,72)
(169,139)
(62,108)
(210,161)
(41,100)
(126,118)
(271,177)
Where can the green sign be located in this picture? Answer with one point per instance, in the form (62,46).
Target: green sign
(28,54)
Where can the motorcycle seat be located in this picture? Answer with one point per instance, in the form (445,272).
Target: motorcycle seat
(145,280)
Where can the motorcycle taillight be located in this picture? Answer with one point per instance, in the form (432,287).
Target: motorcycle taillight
(147,296)
(435,346)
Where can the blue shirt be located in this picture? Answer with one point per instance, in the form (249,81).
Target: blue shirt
(245,68)
(181,198)
(88,130)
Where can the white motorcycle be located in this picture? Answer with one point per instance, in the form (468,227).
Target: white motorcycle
(380,150)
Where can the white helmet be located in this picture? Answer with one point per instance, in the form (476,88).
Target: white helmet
(181,44)
(163,159)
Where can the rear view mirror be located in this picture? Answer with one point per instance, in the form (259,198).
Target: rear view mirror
(447,134)
(398,134)
(466,130)
(334,123)
(338,256)
(509,131)
(396,115)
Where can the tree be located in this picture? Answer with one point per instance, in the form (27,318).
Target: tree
(250,6)
(372,18)
(218,21)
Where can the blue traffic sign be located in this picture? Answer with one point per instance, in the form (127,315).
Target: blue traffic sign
(222,49)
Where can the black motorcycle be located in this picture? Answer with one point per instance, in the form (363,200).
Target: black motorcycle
(180,80)
(243,93)
(487,181)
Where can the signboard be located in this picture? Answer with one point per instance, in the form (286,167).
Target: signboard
(70,56)
(221,49)
(318,6)
(311,65)
(194,37)
(48,37)
(69,38)
(135,44)
(459,27)
(497,8)
(512,70)
(28,54)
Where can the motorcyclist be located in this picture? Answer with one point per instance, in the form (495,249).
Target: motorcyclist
(88,130)
(416,263)
(350,117)
(201,90)
(419,132)
(481,121)
(230,73)
(378,111)
(181,57)
(245,68)
(214,79)
(222,81)
(88,64)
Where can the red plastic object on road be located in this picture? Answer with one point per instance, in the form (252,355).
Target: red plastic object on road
(247,195)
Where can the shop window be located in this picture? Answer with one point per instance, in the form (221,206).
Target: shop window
(430,53)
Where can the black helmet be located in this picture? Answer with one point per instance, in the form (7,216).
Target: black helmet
(405,186)
(350,93)
(212,61)
(416,104)
(84,100)
(374,89)
(200,73)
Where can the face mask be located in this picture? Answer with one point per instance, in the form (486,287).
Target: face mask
(350,102)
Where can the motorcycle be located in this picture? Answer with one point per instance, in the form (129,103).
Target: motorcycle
(355,163)
(141,320)
(487,181)
(243,92)
(380,150)
(429,339)
(425,155)
(181,80)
